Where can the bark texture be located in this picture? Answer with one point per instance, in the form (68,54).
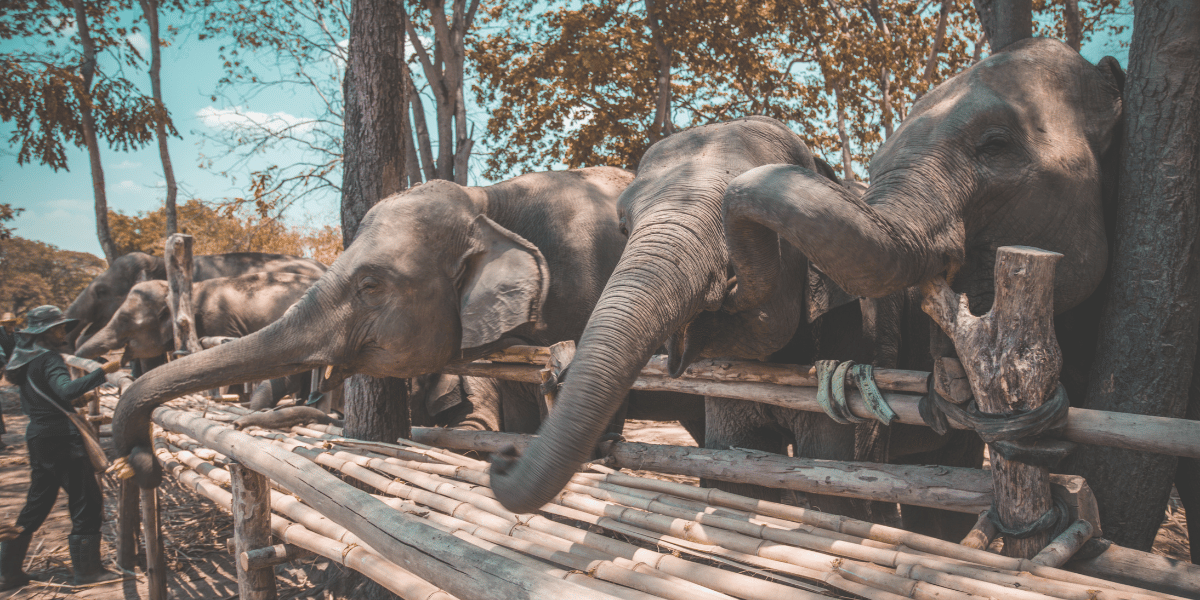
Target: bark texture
(150,8)
(374,140)
(1147,340)
(1005,21)
(91,139)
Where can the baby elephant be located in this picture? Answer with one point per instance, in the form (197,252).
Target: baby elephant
(226,306)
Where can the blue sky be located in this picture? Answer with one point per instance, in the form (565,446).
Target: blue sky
(59,206)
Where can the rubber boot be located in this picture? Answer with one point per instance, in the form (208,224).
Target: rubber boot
(85,560)
(12,558)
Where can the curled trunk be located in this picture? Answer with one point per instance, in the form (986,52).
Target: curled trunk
(245,359)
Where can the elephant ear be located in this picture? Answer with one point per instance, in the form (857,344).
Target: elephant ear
(822,294)
(1102,104)
(504,284)
(445,393)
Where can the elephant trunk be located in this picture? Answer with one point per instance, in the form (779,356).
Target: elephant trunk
(274,351)
(102,341)
(645,300)
(887,240)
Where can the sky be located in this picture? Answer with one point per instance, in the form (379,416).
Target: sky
(59,206)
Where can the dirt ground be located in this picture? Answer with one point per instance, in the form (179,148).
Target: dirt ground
(195,532)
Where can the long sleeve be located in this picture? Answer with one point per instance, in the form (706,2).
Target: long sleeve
(59,384)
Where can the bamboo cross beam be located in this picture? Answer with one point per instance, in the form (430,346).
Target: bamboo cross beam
(790,386)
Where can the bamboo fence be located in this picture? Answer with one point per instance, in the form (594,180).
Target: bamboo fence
(608,535)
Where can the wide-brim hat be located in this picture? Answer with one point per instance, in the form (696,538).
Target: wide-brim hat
(43,318)
(8,318)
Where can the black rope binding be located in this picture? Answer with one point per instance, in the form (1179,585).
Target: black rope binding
(1056,520)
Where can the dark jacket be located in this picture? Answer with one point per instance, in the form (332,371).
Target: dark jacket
(49,373)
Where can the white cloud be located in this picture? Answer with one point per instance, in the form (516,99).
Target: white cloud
(229,119)
(139,41)
(129,186)
(127,164)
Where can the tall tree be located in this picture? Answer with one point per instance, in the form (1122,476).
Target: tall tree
(445,73)
(57,94)
(1148,336)
(150,10)
(1005,21)
(376,409)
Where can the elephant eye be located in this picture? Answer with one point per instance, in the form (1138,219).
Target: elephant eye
(993,143)
(624,228)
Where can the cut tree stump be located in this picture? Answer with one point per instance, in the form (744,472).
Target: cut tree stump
(1013,361)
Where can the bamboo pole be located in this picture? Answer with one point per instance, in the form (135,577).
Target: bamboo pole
(982,534)
(445,561)
(128,521)
(352,555)
(251,529)
(156,562)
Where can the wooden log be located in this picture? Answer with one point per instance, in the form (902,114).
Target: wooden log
(251,530)
(982,534)
(1059,551)
(1013,361)
(178,255)
(952,488)
(121,380)
(128,521)
(1142,569)
(459,568)
(156,561)
(1162,435)
(269,556)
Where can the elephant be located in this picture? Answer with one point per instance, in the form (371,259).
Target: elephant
(1015,150)
(225,306)
(437,273)
(97,303)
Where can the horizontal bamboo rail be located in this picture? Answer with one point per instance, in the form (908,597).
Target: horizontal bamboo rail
(794,386)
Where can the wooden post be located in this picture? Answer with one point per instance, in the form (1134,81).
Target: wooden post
(178,257)
(561,355)
(128,519)
(268,557)
(251,530)
(156,562)
(1012,360)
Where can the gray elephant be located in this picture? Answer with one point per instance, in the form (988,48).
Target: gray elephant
(225,307)
(1012,151)
(438,273)
(97,303)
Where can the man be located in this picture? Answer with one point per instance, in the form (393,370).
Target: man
(57,457)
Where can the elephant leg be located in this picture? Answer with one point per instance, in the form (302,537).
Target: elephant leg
(480,408)
(817,436)
(268,393)
(519,406)
(962,449)
(740,424)
(1187,481)
(695,427)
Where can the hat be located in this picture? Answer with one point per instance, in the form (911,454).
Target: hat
(8,318)
(43,318)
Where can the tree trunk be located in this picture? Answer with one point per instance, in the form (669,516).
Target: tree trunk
(885,75)
(1147,340)
(1073,23)
(936,47)
(662,126)
(373,169)
(150,8)
(847,159)
(90,138)
(1005,21)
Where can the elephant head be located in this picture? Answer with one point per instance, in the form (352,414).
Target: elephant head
(1008,152)
(99,301)
(668,287)
(142,325)
(428,279)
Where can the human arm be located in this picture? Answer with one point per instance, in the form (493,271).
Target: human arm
(51,370)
